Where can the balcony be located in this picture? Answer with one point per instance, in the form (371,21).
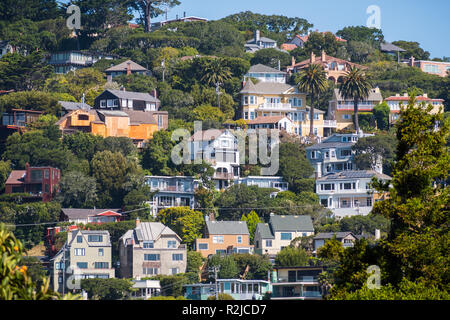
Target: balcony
(329,123)
(223,176)
(276,107)
(301,280)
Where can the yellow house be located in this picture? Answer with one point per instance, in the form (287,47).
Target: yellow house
(280,99)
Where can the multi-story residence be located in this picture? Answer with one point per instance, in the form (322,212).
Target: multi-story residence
(16,120)
(346,238)
(150,249)
(239,289)
(68,106)
(394,103)
(41,183)
(432,67)
(121,100)
(66,61)
(334,154)
(224,237)
(272,122)
(299,41)
(266,74)
(219,148)
(335,68)
(85,216)
(296,283)
(267,99)
(271,237)
(174,191)
(86,254)
(342,110)
(126,68)
(258,43)
(349,193)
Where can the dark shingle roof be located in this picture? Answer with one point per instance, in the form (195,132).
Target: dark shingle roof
(260,68)
(227,227)
(70,106)
(389,47)
(291,223)
(264,230)
(330,235)
(133,95)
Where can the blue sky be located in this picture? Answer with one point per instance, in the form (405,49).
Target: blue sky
(426,22)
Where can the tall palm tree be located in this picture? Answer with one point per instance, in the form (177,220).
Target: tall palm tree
(215,71)
(357,87)
(312,80)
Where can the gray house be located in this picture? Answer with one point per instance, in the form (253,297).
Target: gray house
(126,68)
(150,249)
(126,100)
(258,43)
(334,154)
(271,237)
(85,255)
(346,238)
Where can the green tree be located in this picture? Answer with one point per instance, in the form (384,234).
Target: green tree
(149,9)
(228,268)
(291,257)
(137,82)
(331,251)
(215,71)
(312,80)
(30,100)
(381,113)
(361,33)
(270,57)
(258,266)
(77,190)
(221,296)
(107,289)
(252,220)
(5,170)
(156,154)
(412,49)
(356,87)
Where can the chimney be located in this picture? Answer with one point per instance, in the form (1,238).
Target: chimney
(128,68)
(412,61)
(122,88)
(293,61)
(323,55)
(377,234)
(138,222)
(257,35)
(212,216)
(313,57)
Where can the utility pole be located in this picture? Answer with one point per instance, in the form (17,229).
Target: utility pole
(218,84)
(163,65)
(215,269)
(64,269)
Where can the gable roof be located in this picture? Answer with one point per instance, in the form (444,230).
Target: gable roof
(330,235)
(92,232)
(327,145)
(124,66)
(70,106)
(227,227)
(261,39)
(260,68)
(291,223)
(133,95)
(16,176)
(389,47)
(208,135)
(85,213)
(264,231)
(152,231)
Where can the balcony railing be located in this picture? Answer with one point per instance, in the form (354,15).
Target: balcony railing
(223,176)
(276,106)
(298,280)
(330,123)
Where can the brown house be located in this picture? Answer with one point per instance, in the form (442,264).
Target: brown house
(224,237)
(41,183)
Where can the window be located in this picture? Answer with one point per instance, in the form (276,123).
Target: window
(60,279)
(79,252)
(177,257)
(268,243)
(327,186)
(46,174)
(313,154)
(150,271)
(100,252)
(239,239)
(130,104)
(101,265)
(369,202)
(148,244)
(174,270)
(324,202)
(346,153)
(252,100)
(82,265)
(83,117)
(346,116)
(79,239)
(217,239)
(46,188)
(102,103)
(246,115)
(171,244)
(95,238)
(316,116)
(59,265)
(151,257)
(346,186)
(203,246)
(124,103)
(36,175)
(286,236)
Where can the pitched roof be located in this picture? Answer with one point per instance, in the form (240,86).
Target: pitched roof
(207,135)
(260,68)
(264,230)
(124,65)
(263,39)
(266,87)
(92,232)
(291,223)
(133,95)
(69,106)
(330,235)
(354,174)
(15,177)
(227,227)
(418,98)
(268,119)
(389,47)
(327,145)
(288,46)
(85,213)
(147,231)
(143,117)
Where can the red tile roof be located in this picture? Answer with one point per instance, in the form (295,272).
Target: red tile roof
(419,98)
(15,176)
